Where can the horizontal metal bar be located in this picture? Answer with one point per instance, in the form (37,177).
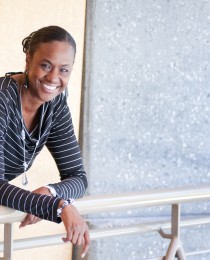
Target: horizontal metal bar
(115,202)
(200,252)
(8,215)
(34,242)
(144,228)
(95,234)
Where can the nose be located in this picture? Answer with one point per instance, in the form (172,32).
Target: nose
(53,76)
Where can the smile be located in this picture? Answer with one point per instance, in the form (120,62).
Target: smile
(50,87)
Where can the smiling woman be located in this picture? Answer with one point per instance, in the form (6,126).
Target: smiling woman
(49,64)
(34,113)
(49,70)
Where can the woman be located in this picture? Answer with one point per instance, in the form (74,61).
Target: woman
(34,113)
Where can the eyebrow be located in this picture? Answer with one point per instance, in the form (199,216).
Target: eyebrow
(46,60)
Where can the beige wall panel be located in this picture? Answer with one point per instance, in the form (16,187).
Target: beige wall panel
(18,18)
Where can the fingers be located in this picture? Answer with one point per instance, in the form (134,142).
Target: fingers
(29,219)
(79,237)
(86,244)
(75,236)
(76,228)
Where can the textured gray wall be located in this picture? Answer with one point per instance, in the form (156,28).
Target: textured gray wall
(146,111)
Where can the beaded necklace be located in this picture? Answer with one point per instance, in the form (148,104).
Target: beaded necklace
(23,135)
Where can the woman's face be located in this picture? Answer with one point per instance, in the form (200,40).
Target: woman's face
(49,69)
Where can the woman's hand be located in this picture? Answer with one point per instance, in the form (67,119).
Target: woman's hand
(31,219)
(76,228)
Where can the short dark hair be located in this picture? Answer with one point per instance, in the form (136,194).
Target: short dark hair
(45,35)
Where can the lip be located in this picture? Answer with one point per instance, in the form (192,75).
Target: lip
(50,88)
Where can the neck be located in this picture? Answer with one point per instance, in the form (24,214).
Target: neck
(30,108)
(28,101)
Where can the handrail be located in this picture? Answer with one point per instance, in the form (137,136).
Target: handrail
(8,215)
(121,201)
(132,200)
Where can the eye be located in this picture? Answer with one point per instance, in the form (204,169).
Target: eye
(64,71)
(46,67)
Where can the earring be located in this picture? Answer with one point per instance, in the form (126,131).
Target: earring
(26,84)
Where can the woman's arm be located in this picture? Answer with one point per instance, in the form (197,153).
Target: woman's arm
(42,206)
(65,150)
(76,228)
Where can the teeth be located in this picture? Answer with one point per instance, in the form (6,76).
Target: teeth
(49,87)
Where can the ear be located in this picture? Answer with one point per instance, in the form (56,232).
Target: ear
(27,61)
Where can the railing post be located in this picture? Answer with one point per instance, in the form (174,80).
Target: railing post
(175,248)
(8,241)
(175,220)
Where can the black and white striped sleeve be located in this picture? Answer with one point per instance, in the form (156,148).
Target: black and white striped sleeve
(42,206)
(14,197)
(3,123)
(65,150)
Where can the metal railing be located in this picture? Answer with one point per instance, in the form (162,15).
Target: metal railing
(115,202)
